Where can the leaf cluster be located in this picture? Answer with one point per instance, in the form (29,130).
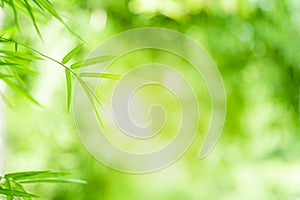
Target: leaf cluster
(32,8)
(12,185)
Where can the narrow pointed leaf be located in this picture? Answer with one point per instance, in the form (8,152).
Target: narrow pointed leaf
(24,174)
(92,97)
(15,193)
(6,63)
(7,102)
(69,87)
(71,54)
(47,5)
(20,55)
(30,12)
(5,76)
(21,90)
(38,4)
(20,188)
(101,75)
(7,186)
(53,180)
(35,175)
(92,61)
(12,4)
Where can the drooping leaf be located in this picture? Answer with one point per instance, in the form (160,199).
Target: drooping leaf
(69,87)
(101,75)
(16,47)
(12,4)
(53,180)
(20,188)
(20,55)
(38,4)
(71,54)
(19,69)
(7,63)
(21,90)
(7,102)
(34,175)
(47,5)
(15,193)
(91,61)
(92,97)
(5,76)
(7,186)
(30,12)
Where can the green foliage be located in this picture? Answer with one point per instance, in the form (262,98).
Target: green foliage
(254,44)
(91,61)
(16,60)
(12,185)
(71,54)
(31,7)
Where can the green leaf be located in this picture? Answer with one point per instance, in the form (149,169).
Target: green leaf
(34,175)
(71,54)
(92,61)
(7,185)
(47,5)
(6,63)
(53,180)
(30,12)
(19,55)
(7,102)
(20,188)
(91,95)
(16,47)
(21,90)
(15,193)
(12,4)
(101,75)
(38,4)
(69,87)
(5,76)
(19,69)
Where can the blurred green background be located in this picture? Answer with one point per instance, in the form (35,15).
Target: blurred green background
(254,43)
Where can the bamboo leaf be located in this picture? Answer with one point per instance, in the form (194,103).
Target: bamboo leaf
(92,61)
(53,180)
(101,75)
(19,69)
(20,188)
(15,193)
(7,101)
(7,185)
(12,4)
(47,5)
(5,76)
(30,12)
(24,174)
(6,63)
(71,54)
(20,55)
(69,87)
(34,175)
(16,47)
(38,4)
(92,97)
(21,90)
